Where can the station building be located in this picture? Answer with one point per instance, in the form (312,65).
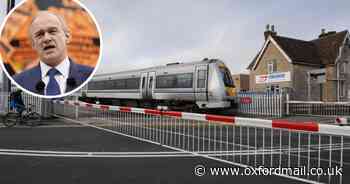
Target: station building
(317,70)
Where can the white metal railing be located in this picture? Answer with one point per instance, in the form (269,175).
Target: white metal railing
(245,142)
(33,100)
(318,108)
(4,102)
(261,104)
(27,99)
(279,105)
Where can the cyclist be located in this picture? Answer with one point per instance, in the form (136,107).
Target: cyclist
(17,101)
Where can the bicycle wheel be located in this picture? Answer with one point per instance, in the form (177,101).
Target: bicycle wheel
(11,119)
(32,119)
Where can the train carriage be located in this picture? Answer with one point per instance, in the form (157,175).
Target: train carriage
(205,84)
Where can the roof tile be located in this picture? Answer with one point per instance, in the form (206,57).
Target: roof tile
(321,51)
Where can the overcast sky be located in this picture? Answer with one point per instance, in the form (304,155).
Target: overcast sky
(143,33)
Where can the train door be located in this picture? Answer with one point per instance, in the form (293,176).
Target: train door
(144,79)
(151,83)
(201,83)
(147,84)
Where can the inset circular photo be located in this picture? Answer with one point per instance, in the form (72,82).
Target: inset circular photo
(50,48)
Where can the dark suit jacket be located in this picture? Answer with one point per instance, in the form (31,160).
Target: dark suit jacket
(30,79)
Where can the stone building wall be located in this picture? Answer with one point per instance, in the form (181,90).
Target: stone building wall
(271,53)
(300,84)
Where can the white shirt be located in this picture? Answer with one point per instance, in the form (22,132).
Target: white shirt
(61,78)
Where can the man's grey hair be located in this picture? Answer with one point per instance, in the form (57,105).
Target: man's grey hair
(59,17)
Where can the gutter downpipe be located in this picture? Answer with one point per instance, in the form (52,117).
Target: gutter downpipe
(338,72)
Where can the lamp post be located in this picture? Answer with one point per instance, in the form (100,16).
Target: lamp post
(10,5)
(6,83)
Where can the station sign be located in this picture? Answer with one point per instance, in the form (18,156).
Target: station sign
(274,77)
(245,100)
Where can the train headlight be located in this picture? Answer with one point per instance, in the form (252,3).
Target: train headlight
(230,91)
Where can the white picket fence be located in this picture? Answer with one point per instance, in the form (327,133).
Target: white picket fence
(261,104)
(279,105)
(40,105)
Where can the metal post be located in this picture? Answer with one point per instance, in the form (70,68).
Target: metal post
(308,86)
(287,104)
(309,90)
(76,106)
(6,83)
(46,109)
(10,5)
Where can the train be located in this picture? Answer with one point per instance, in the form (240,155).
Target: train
(204,84)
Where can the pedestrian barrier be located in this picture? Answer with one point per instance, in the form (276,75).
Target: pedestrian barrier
(27,99)
(35,101)
(341,120)
(320,150)
(318,108)
(261,104)
(279,105)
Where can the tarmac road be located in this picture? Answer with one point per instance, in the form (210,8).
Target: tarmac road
(127,160)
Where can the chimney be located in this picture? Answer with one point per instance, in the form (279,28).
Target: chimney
(324,33)
(269,31)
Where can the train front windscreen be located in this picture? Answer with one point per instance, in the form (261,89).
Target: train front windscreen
(228,81)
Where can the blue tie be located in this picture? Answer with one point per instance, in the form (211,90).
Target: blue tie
(52,87)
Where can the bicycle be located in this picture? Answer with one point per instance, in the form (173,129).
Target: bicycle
(27,117)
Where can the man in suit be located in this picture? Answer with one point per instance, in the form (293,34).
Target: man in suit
(56,73)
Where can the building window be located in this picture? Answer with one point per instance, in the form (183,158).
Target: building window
(272,66)
(277,89)
(273,89)
(343,66)
(342,89)
(269,68)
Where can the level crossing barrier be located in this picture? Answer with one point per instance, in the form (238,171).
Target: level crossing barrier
(304,151)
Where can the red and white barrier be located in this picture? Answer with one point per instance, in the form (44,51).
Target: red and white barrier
(239,121)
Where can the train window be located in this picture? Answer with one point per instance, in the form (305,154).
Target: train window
(91,85)
(165,81)
(175,81)
(226,75)
(99,85)
(184,80)
(107,84)
(202,76)
(132,83)
(95,85)
(119,84)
